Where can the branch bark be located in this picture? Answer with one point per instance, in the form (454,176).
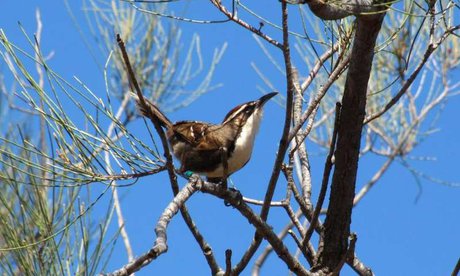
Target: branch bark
(284,142)
(333,10)
(334,240)
(160,230)
(264,229)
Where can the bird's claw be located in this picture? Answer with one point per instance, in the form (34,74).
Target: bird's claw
(235,195)
(188,174)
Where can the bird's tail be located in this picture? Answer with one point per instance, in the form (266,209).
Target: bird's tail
(150,109)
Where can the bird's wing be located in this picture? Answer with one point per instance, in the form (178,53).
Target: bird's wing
(198,134)
(191,132)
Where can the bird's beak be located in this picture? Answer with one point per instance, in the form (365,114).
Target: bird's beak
(266,97)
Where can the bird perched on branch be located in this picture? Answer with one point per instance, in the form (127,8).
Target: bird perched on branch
(214,150)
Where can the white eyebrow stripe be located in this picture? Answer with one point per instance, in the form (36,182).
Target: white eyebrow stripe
(235,113)
(192,133)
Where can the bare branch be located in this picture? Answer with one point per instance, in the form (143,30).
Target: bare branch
(262,227)
(228,262)
(160,243)
(306,254)
(116,199)
(456,268)
(284,142)
(232,16)
(318,65)
(338,218)
(264,255)
(333,10)
(319,96)
(326,174)
(260,202)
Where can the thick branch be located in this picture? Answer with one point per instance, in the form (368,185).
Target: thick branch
(333,10)
(325,181)
(338,219)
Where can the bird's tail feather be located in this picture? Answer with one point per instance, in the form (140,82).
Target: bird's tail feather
(150,109)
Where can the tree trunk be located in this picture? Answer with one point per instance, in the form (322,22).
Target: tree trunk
(334,242)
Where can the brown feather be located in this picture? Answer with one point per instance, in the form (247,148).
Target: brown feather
(152,110)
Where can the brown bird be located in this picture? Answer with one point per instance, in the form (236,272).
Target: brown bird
(203,147)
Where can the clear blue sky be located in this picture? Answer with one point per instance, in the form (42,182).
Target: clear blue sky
(396,235)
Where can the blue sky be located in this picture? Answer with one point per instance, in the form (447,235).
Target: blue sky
(396,234)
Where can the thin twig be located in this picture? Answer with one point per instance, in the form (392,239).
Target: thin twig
(318,65)
(232,16)
(284,143)
(299,245)
(261,202)
(398,149)
(307,210)
(116,199)
(295,220)
(319,96)
(456,268)
(430,49)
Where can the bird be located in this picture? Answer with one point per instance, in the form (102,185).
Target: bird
(213,150)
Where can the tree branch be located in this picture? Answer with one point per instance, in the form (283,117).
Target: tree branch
(262,227)
(233,17)
(456,268)
(268,249)
(283,145)
(338,218)
(333,10)
(319,96)
(326,174)
(160,243)
(228,262)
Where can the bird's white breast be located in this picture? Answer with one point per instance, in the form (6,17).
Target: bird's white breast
(243,146)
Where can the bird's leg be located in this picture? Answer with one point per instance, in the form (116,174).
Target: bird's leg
(224,159)
(235,193)
(184,173)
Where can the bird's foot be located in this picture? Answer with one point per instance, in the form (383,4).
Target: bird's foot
(235,196)
(188,174)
